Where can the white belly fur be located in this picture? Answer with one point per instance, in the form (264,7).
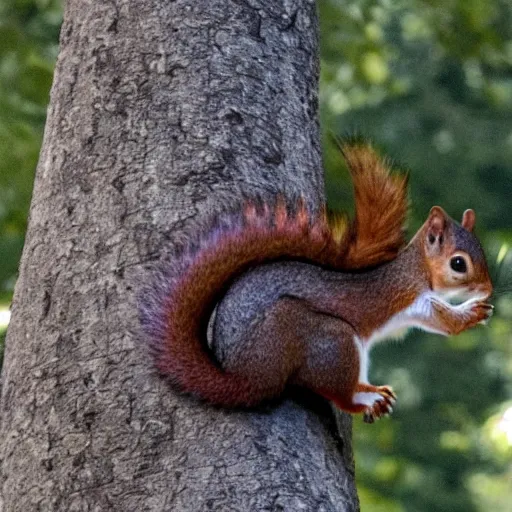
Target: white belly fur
(395,328)
(416,315)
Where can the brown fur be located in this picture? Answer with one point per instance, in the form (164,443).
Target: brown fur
(377,232)
(318,326)
(174,311)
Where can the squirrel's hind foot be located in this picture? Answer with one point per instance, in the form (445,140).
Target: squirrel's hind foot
(379,401)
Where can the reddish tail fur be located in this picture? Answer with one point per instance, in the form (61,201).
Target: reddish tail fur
(176,306)
(377,233)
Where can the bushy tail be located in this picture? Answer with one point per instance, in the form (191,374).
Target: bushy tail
(176,305)
(377,232)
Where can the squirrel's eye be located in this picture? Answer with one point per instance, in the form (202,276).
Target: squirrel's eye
(458,264)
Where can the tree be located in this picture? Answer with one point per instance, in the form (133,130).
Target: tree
(159,113)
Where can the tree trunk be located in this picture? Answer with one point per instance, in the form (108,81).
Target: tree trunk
(160,112)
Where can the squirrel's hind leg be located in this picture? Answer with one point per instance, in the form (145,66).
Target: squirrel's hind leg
(268,349)
(336,367)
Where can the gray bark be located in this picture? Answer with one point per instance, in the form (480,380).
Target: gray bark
(160,112)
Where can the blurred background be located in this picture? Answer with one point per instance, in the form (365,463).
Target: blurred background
(430,82)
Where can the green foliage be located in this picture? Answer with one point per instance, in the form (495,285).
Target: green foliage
(429,81)
(28,49)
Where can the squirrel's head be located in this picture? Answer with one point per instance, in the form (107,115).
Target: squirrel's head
(454,256)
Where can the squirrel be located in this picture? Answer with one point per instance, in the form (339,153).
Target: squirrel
(300,298)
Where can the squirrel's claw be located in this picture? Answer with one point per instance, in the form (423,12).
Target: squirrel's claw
(482,312)
(488,309)
(383,406)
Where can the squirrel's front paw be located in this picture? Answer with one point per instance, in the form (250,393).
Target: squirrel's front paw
(381,402)
(480,312)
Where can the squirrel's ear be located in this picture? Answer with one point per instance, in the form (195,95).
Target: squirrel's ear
(436,224)
(468,220)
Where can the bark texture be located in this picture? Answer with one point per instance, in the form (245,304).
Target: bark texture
(161,111)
